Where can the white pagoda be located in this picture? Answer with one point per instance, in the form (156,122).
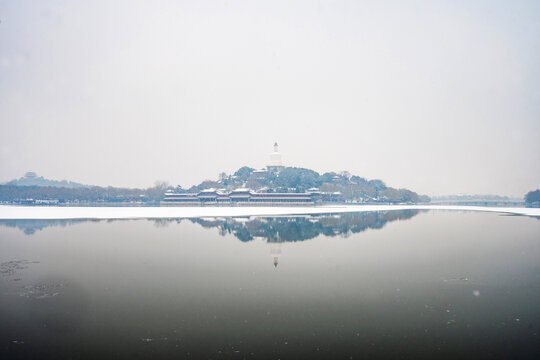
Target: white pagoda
(275,159)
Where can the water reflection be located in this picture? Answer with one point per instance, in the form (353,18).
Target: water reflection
(290,229)
(279,230)
(31,226)
(272,229)
(444,284)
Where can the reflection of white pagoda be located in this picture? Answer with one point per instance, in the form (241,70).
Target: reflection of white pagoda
(275,249)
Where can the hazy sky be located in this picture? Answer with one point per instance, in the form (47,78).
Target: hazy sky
(437,96)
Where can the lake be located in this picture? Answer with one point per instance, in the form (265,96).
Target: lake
(385,284)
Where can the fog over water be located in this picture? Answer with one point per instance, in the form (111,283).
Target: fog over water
(436,97)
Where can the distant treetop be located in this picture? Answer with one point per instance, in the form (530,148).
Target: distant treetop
(533,197)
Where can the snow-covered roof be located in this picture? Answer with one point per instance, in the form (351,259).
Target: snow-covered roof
(209,190)
(241,190)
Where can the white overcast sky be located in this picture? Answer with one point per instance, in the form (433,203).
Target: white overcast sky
(440,97)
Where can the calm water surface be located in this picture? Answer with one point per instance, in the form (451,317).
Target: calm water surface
(392,284)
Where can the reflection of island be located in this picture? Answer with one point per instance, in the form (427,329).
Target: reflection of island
(279,230)
(287,229)
(272,229)
(30,226)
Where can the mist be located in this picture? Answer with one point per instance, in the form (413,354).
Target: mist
(440,98)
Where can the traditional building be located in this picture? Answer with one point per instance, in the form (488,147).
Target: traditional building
(245,197)
(241,196)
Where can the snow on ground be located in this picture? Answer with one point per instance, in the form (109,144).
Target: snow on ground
(60,212)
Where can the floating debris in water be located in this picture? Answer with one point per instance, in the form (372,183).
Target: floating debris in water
(476,293)
(44,296)
(17,342)
(10,268)
(41,291)
(457,279)
(154,339)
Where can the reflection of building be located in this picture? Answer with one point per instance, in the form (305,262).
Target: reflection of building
(275,250)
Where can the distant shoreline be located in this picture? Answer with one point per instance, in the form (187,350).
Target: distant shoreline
(9,212)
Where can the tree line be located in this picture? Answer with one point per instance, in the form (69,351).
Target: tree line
(12,193)
(286,180)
